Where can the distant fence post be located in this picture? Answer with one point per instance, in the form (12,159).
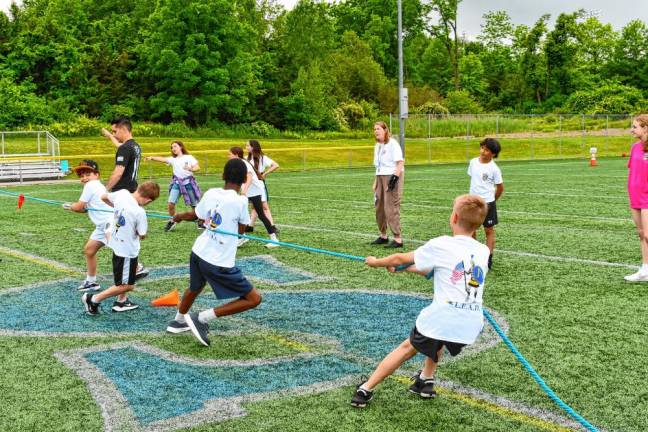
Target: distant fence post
(304,152)
(607,126)
(532,130)
(390,123)
(467,139)
(350,158)
(582,133)
(560,135)
(497,126)
(429,141)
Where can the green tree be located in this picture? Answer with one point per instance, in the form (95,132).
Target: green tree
(446,30)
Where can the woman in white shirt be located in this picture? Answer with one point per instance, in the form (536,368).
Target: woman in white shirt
(388,185)
(183,181)
(263,166)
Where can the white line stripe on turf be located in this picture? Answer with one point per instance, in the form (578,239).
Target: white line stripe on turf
(504,251)
(438,207)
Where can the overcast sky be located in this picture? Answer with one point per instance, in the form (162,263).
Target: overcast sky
(615,12)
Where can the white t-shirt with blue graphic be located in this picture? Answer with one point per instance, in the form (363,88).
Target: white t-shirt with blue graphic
(128,224)
(483,178)
(460,264)
(222,209)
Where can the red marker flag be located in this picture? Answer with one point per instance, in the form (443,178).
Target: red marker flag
(21,201)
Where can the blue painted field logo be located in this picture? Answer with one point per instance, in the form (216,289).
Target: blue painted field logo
(161,390)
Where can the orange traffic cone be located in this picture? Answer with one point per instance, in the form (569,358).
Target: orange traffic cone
(593,161)
(170,299)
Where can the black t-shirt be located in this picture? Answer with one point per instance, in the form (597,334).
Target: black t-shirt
(128,155)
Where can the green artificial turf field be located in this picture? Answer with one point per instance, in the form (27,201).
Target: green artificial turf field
(564,242)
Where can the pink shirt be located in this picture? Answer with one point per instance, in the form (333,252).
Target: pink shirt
(638,177)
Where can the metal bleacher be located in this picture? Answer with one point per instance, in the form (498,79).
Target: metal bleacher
(29,155)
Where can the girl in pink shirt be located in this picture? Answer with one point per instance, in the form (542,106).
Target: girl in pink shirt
(638,191)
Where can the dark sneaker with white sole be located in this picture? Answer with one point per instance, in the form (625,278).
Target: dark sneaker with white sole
(423,388)
(88,286)
(361,397)
(170,225)
(141,272)
(124,306)
(176,326)
(91,307)
(199,329)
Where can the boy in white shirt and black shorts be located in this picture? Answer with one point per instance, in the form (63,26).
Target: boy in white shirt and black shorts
(213,255)
(93,190)
(458,264)
(128,226)
(486,181)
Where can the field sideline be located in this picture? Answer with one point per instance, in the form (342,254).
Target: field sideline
(565,241)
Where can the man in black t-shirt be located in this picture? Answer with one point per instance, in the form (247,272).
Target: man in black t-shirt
(127,159)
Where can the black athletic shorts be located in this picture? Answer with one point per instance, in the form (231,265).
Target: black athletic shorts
(226,282)
(430,347)
(491,215)
(124,270)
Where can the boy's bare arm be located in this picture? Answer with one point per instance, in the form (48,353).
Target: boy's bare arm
(499,190)
(394,260)
(79,207)
(105,199)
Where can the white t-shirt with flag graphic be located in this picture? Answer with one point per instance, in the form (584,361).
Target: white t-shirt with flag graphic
(222,209)
(128,224)
(459,265)
(483,178)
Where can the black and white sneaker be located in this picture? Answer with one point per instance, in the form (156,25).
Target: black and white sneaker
(199,329)
(361,397)
(200,224)
(176,326)
(423,388)
(141,272)
(88,286)
(170,225)
(124,306)
(91,307)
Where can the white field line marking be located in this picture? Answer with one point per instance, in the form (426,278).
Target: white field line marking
(614,197)
(509,252)
(448,208)
(62,267)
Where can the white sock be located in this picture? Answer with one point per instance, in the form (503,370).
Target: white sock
(644,268)
(207,315)
(94,278)
(425,378)
(179,317)
(365,388)
(92,299)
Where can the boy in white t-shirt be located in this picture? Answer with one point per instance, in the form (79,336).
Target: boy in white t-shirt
(93,189)
(127,227)
(458,264)
(486,181)
(213,255)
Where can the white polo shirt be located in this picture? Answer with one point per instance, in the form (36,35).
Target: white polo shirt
(386,156)
(460,264)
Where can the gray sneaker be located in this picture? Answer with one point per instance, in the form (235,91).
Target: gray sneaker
(198,328)
(176,326)
(88,286)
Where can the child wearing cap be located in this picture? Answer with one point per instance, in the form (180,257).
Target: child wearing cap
(486,182)
(128,226)
(93,189)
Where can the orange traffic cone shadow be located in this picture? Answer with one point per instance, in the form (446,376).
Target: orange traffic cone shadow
(170,299)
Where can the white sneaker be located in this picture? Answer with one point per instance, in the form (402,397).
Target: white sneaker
(273,237)
(242,241)
(637,277)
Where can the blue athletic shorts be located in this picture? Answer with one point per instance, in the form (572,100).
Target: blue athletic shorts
(226,282)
